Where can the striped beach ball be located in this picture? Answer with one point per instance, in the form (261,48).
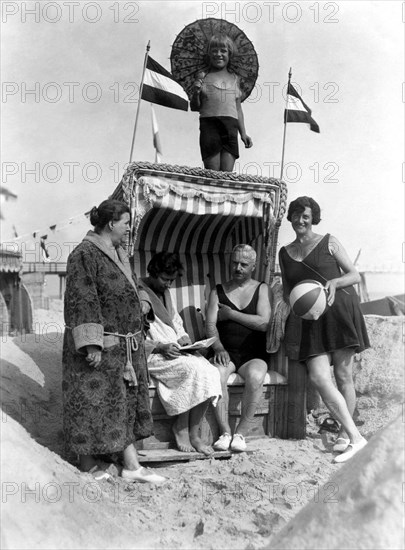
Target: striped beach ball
(308,299)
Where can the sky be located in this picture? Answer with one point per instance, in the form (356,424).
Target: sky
(70,75)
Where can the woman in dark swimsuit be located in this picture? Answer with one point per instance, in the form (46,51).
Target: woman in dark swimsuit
(339,333)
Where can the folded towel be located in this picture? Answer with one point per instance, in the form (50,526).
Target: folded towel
(280,311)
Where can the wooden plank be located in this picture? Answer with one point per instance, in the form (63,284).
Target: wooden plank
(254,443)
(271,412)
(280,411)
(173,455)
(297,393)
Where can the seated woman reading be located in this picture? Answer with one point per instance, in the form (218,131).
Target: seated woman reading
(185,382)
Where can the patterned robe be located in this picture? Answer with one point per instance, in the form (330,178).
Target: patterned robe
(102,413)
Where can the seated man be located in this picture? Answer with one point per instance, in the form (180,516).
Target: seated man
(238,314)
(185,382)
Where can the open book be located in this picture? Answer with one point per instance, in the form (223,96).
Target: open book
(201,344)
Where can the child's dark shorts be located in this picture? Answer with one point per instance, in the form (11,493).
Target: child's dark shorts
(218,133)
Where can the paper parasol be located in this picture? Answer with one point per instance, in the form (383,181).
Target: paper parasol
(189,54)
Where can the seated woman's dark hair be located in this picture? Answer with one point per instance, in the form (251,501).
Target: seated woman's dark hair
(109,210)
(165,262)
(299,206)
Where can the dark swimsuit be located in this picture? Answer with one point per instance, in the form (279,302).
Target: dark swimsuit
(341,326)
(242,343)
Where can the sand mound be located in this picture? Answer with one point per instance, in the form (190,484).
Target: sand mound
(31,385)
(237,503)
(364,506)
(47,503)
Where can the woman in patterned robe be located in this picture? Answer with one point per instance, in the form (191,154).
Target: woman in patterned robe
(105,383)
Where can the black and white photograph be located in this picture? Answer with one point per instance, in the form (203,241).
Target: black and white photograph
(202,291)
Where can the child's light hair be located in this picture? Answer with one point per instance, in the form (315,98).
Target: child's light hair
(222,40)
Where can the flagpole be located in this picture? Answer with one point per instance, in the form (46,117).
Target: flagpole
(285,125)
(139,101)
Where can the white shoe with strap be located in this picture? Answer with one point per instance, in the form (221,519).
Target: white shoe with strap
(238,443)
(223,442)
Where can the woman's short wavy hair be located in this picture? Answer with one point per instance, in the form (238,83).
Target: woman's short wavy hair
(165,262)
(299,205)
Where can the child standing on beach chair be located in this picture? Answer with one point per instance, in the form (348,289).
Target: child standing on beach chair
(217,96)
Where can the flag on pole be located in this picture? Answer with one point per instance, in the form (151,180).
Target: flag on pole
(45,253)
(156,137)
(297,110)
(160,87)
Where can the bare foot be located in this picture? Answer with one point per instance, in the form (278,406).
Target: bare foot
(200,447)
(182,436)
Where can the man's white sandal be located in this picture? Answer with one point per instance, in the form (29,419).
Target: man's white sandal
(238,443)
(223,442)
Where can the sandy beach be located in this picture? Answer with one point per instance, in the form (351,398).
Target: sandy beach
(238,502)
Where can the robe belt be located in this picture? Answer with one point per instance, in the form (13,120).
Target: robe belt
(131,344)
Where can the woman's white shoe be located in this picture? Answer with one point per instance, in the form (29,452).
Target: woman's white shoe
(351,450)
(143,475)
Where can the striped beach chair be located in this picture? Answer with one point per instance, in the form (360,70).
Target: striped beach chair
(202,215)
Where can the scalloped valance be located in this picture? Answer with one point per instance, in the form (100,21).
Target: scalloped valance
(197,210)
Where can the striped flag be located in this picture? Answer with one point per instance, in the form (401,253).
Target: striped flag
(297,110)
(45,253)
(156,137)
(160,87)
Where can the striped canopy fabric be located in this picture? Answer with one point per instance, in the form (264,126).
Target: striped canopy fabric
(201,215)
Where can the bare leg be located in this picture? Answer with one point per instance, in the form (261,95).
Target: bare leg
(343,369)
(134,472)
(319,373)
(181,433)
(213,163)
(222,408)
(196,416)
(253,373)
(130,457)
(227,161)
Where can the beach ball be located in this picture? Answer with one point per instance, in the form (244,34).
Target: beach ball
(308,299)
